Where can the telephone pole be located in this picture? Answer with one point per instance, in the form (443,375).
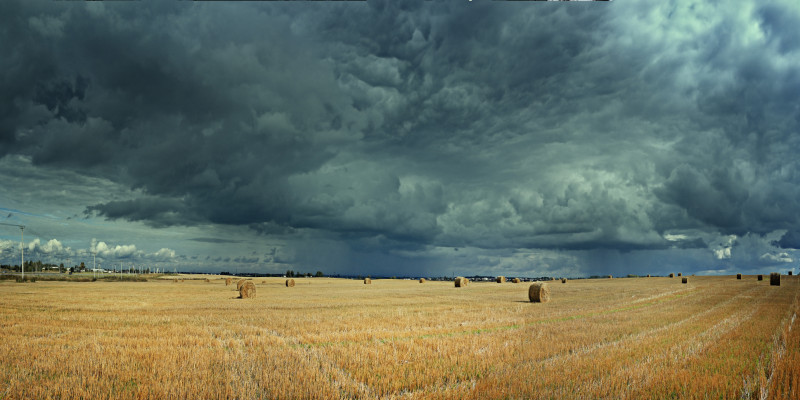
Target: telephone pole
(21,246)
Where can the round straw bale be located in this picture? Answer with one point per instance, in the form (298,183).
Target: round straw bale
(174,281)
(228,281)
(208,280)
(680,274)
(685,280)
(738,276)
(500,279)
(461,282)
(648,275)
(761,277)
(563,280)
(671,275)
(290,283)
(367,281)
(263,282)
(239,284)
(790,273)
(516,280)
(421,280)
(539,293)
(775,279)
(247,291)
(611,277)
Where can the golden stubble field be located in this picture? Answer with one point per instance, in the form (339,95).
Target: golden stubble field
(715,337)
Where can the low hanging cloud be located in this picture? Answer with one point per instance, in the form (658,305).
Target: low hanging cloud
(388,127)
(117,251)
(162,255)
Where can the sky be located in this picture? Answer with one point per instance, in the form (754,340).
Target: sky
(414,138)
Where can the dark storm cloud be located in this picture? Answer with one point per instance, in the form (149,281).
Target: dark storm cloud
(214,240)
(397,126)
(790,240)
(157,212)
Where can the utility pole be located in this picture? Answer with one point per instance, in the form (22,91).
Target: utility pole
(21,246)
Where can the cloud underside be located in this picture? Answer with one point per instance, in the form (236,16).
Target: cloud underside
(395,127)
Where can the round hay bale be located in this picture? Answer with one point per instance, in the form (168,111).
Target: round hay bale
(738,276)
(680,273)
(174,281)
(421,280)
(563,280)
(648,275)
(611,277)
(539,292)
(367,281)
(761,277)
(239,284)
(208,280)
(290,283)
(685,280)
(500,279)
(775,279)
(247,291)
(228,281)
(263,282)
(516,280)
(671,275)
(461,282)
(790,273)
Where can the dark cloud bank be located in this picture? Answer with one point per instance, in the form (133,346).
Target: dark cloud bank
(571,137)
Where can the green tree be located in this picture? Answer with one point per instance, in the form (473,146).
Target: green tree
(318,274)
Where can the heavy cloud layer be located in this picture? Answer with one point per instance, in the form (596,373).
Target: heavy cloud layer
(395,130)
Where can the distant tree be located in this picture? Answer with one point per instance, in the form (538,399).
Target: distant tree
(308,274)
(318,274)
(82,267)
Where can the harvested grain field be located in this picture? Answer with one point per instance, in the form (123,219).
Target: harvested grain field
(715,337)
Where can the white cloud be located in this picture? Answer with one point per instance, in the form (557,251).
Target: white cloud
(119,251)
(675,238)
(163,254)
(723,253)
(780,258)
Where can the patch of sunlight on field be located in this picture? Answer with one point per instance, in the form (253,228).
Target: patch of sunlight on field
(184,337)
